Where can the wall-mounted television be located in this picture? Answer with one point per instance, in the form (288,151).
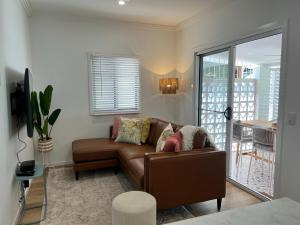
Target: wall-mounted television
(21,102)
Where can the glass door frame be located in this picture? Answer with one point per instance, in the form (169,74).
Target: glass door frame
(270,31)
(231,69)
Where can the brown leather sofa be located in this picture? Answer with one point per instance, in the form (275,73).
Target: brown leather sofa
(174,179)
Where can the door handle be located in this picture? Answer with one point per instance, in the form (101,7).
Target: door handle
(227,112)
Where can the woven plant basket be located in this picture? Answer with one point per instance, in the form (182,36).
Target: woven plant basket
(45,145)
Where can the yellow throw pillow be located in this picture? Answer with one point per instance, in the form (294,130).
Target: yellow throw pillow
(130,131)
(145,129)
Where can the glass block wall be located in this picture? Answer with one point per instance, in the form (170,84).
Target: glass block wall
(274,93)
(214,98)
(244,99)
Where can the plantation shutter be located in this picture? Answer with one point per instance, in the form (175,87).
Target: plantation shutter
(114,84)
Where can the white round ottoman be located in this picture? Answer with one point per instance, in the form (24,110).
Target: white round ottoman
(134,208)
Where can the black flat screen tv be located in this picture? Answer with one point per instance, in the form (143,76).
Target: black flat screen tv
(21,102)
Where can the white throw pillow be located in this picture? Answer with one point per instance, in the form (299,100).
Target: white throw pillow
(188,133)
(167,132)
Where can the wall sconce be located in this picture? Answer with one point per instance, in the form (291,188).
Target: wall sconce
(168,85)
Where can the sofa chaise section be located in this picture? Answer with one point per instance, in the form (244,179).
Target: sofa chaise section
(173,178)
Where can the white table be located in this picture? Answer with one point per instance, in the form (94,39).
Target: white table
(278,212)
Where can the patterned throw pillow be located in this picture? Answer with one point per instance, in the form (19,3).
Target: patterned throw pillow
(129,131)
(167,132)
(173,143)
(145,129)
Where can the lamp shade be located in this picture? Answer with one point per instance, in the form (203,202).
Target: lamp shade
(168,85)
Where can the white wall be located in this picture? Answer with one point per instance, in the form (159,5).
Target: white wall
(60,44)
(230,23)
(15,57)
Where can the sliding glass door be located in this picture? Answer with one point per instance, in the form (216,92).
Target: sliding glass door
(255,114)
(215,99)
(238,102)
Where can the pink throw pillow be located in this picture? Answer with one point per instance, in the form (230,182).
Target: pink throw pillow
(115,128)
(173,143)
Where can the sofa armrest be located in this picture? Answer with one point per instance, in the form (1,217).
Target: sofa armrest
(185,177)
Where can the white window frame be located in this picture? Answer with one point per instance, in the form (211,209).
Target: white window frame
(110,112)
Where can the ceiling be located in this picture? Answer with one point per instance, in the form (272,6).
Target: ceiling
(265,51)
(262,51)
(162,12)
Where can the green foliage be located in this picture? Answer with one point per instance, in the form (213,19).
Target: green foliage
(35,106)
(53,117)
(47,97)
(38,129)
(40,112)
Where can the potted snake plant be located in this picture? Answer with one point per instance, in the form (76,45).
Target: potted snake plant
(43,121)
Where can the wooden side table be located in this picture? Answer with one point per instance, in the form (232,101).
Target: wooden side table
(39,172)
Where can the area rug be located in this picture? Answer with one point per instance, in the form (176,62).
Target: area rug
(88,200)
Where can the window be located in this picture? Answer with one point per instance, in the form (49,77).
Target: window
(114,85)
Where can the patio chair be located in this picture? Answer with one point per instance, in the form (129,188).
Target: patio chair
(241,134)
(263,140)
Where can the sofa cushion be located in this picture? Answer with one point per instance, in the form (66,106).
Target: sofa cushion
(156,127)
(94,149)
(127,152)
(136,168)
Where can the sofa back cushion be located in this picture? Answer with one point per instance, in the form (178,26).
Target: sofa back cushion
(156,128)
(201,139)
(167,132)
